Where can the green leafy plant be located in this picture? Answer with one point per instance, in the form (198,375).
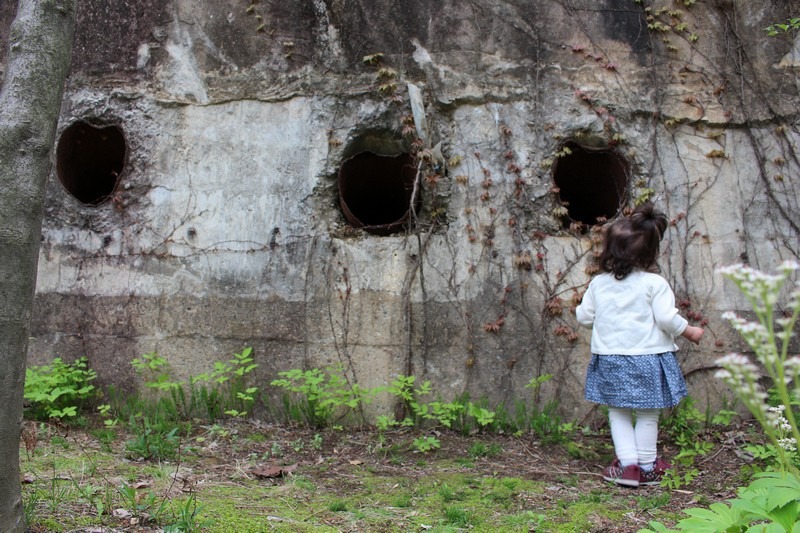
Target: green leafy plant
(275,450)
(684,426)
(450,414)
(426,444)
(187,517)
(143,505)
(59,491)
(98,497)
(104,411)
(769,339)
(240,396)
(210,395)
(770,454)
(542,419)
(155,368)
(459,414)
(447,493)
(790,25)
(410,396)
(337,506)
(152,440)
(654,501)
(771,502)
(480,449)
(30,505)
(58,390)
(320,397)
(456,516)
(482,416)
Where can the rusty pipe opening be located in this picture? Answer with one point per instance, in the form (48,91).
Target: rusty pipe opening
(592,183)
(90,160)
(375,191)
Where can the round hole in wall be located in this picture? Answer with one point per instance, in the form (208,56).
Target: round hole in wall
(89,160)
(375,191)
(592,183)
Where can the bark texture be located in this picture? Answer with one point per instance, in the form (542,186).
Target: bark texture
(39,51)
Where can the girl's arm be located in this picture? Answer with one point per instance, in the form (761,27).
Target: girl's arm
(585,311)
(664,311)
(693,333)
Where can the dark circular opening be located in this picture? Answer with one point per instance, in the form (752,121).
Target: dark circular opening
(592,183)
(89,160)
(375,191)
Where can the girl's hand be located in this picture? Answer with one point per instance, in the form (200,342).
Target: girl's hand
(693,333)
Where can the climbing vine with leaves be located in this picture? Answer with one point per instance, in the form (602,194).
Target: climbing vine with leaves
(516,260)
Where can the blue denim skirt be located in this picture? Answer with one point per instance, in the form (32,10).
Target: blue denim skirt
(635,381)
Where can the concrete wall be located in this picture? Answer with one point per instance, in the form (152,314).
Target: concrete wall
(225,229)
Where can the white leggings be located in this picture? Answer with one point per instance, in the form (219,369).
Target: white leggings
(634,445)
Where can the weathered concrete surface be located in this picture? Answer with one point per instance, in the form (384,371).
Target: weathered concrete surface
(225,229)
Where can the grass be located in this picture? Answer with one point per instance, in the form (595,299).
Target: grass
(343,481)
(170,461)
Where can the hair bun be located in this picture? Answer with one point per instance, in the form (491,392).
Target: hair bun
(645,211)
(647,216)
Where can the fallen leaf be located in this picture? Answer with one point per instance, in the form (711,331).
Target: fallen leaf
(356,462)
(273,471)
(121,513)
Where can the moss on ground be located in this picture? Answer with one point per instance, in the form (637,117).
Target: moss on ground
(83,480)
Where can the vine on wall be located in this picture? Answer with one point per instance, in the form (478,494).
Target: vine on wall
(529,291)
(514,265)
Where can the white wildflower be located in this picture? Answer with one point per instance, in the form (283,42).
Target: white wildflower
(730,316)
(763,337)
(730,270)
(755,329)
(771,298)
(794,299)
(723,375)
(785,335)
(768,354)
(737,364)
(792,365)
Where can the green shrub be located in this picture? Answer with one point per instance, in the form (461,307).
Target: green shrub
(152,440)
(58,390)
(320,398)
(771,502)
(212,395)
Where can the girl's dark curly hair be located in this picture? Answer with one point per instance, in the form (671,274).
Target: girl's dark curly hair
(633,242)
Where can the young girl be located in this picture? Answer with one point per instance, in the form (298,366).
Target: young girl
(634,322)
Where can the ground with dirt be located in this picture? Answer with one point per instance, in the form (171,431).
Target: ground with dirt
(250,476)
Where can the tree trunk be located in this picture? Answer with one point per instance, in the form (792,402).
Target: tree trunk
(39,50)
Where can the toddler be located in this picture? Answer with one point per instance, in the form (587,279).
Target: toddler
(634,322)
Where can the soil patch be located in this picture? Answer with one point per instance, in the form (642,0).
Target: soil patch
(262,477)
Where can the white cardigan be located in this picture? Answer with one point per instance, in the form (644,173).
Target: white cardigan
(633,316)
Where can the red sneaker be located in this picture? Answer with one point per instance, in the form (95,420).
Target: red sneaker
(627,476)
(654,476)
